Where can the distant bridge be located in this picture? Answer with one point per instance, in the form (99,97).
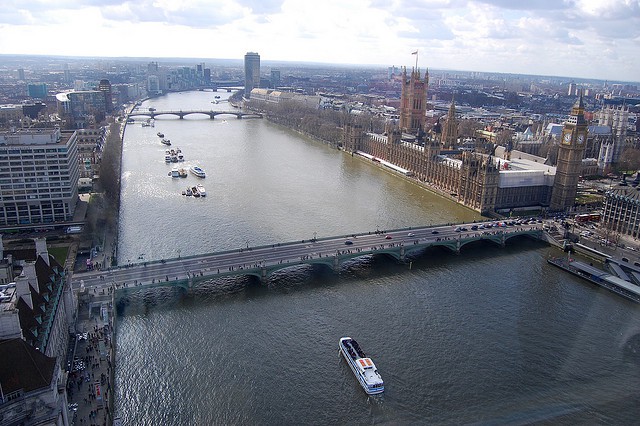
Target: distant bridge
(181,114)
(401,245)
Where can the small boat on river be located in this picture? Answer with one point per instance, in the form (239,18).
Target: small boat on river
(197,171)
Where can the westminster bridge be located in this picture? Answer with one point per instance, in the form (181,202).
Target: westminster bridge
(402,245)
(181,114)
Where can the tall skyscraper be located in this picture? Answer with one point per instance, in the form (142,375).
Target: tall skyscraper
(251,72)
(413,102)
(105,87)
(570,153)
(275,78)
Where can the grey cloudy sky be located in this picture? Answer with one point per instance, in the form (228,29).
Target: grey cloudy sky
(574,38)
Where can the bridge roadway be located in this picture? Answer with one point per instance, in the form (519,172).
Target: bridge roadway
(181,114)
(264,260)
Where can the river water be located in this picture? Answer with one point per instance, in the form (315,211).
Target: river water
(493,335)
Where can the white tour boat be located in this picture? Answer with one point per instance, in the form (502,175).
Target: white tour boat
(197,171)
(201,190)
(363,367)
(175,172)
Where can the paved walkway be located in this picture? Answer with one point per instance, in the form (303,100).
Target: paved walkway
(90,383)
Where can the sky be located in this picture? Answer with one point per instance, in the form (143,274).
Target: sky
(573,38)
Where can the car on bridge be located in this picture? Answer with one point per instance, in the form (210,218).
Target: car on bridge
(435,232)
(388,237)
(348,242)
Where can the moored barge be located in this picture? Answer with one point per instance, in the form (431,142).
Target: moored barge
(599,277)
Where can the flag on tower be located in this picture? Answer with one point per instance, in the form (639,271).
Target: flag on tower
(414,53)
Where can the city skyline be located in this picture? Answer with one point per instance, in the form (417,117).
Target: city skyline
(582,39)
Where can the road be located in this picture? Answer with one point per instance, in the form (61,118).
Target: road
(326,250)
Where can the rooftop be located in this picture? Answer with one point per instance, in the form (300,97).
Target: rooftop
(22,367)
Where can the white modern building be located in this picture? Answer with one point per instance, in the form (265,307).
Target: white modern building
(38,176)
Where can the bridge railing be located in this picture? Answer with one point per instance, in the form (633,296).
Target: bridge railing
(290,243)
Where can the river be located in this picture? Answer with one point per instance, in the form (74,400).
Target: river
(493,335)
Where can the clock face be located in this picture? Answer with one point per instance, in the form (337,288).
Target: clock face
(580,138)
(567,137)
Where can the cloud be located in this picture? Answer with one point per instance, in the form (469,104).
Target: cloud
(529,5)
(262,7)
(196,14)
(607,9)
(537,36)
(16,16)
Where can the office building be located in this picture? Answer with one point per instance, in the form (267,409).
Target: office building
(153,85)
(90,144)
(37,90)
(11,115)
(275,79)
(38,176)
(105,87)
(621,210)
(251,72)
(82,108)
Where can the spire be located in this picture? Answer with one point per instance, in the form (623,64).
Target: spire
(579,103)
(452,107)
(578,111)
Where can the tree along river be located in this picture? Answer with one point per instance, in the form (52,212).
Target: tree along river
(493,335)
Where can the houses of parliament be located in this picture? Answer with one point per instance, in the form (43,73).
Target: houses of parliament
(497,179)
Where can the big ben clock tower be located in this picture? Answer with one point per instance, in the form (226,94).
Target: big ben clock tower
(570,153)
